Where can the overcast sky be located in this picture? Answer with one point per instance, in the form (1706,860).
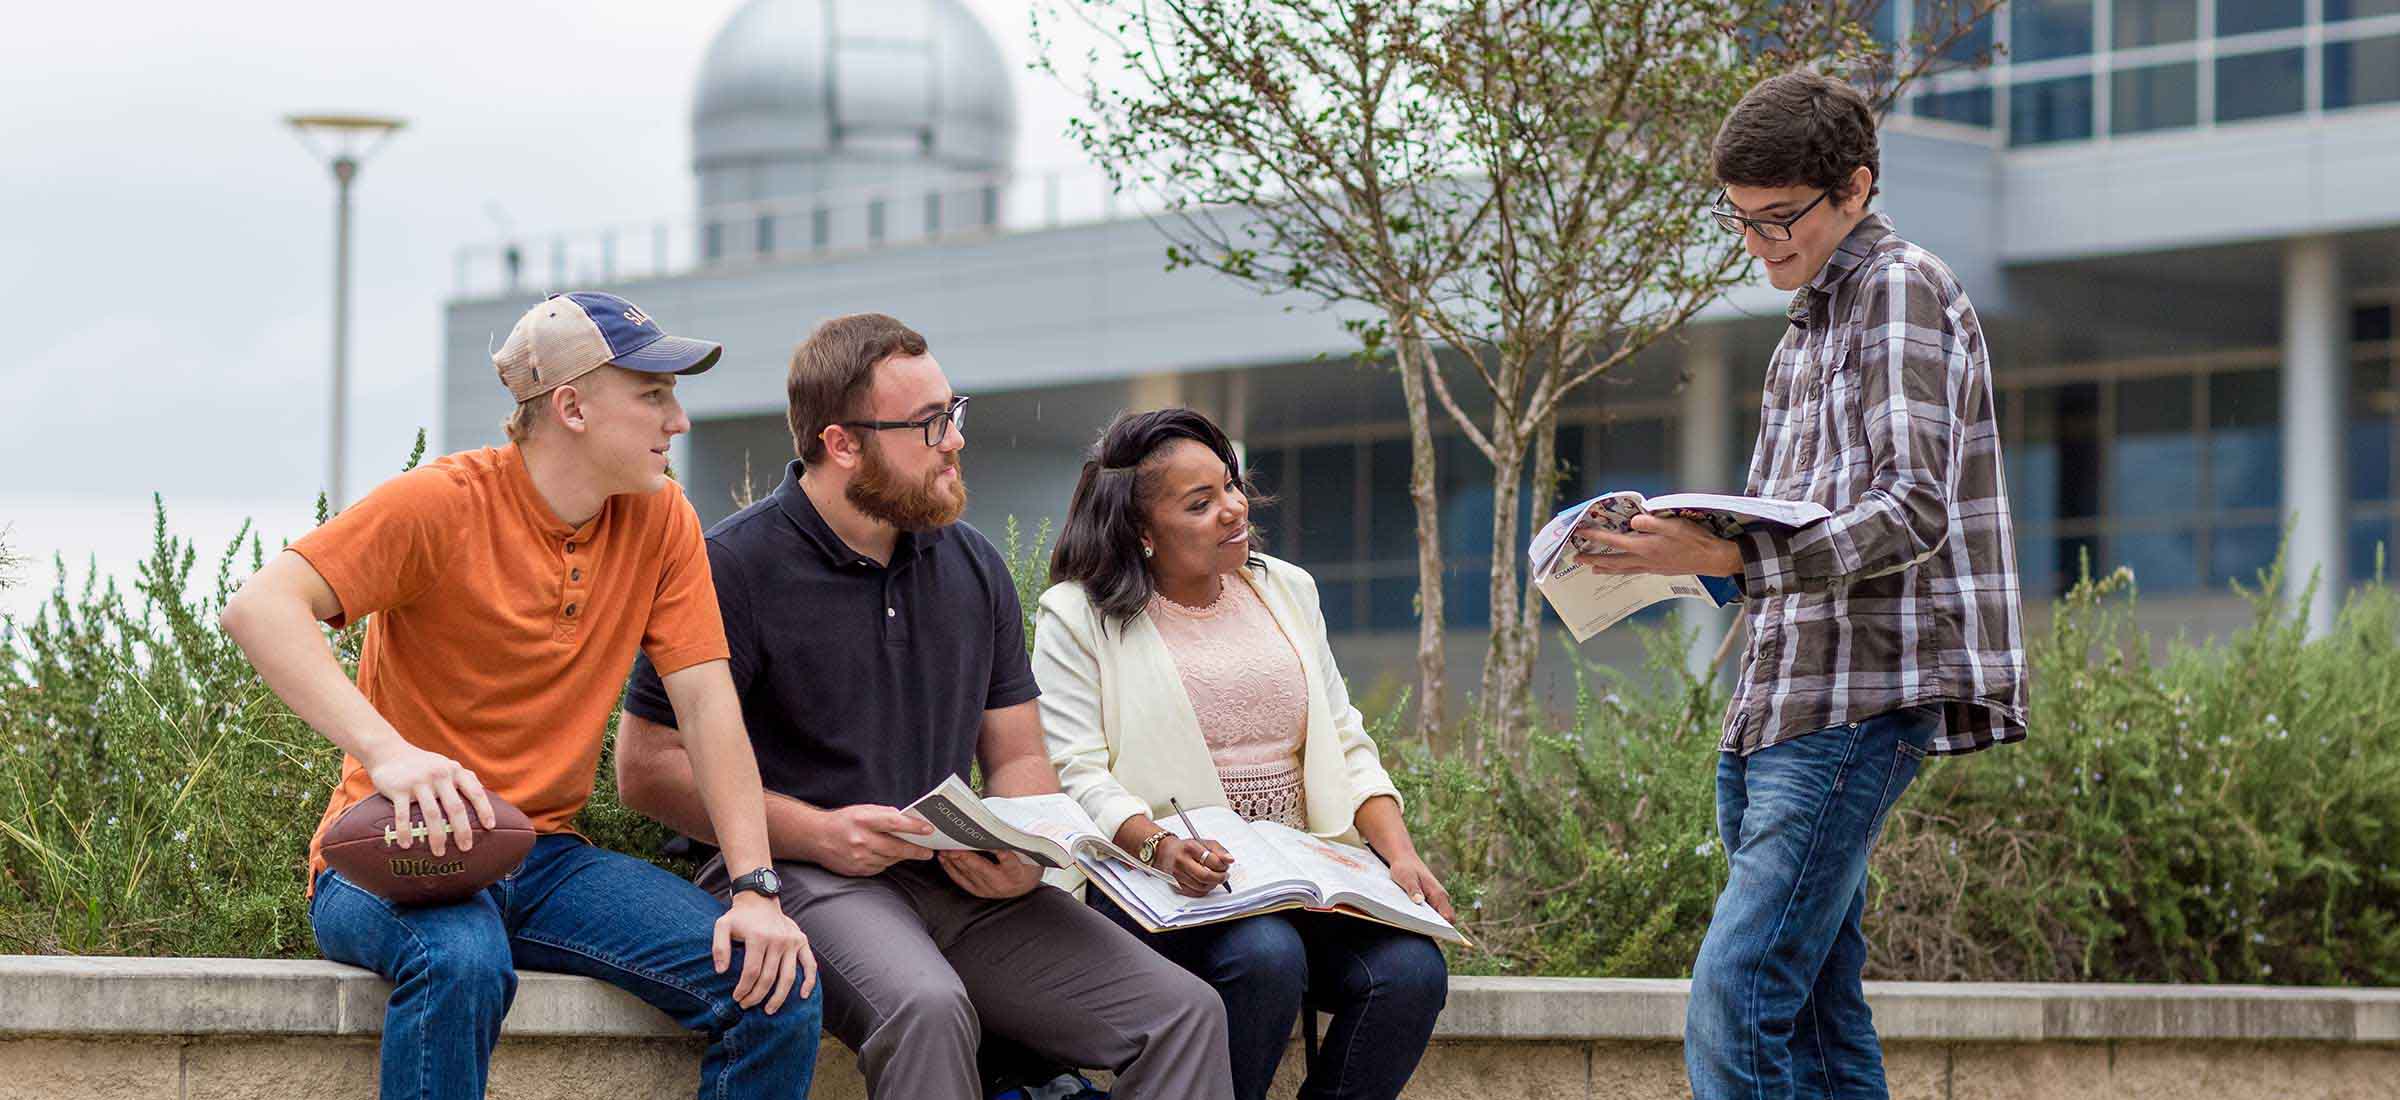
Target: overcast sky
(166,243)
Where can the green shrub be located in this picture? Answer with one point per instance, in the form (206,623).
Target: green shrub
(2222,811)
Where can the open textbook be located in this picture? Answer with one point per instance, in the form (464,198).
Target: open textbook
(1049,829)
(1591,602)
(1274,867)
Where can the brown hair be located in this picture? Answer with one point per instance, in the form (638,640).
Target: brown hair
(1798,128)
(521,419)
(832,368)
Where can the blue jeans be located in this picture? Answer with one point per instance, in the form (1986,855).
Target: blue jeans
(1383,986)
(574,909)
(1777,1010)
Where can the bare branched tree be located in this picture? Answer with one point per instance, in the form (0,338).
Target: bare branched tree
(1517,182)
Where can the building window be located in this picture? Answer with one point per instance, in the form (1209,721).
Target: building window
(2336,10)
(712,241)
(820,228)
(2161,97)
(766,234)
(2362,72)
(2042,29)
(1969,107)
(2050,110)
(2244,16)
(1940,19)
(2155,22)
(2260,85)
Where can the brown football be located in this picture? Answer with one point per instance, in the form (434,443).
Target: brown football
(363,845)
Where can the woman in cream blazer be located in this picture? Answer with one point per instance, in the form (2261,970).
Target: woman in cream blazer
(1176,662)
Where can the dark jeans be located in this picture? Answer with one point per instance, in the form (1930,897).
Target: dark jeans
(1777,1010)
(1383,986)
(574,909)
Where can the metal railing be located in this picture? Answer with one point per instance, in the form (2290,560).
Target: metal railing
(784,230)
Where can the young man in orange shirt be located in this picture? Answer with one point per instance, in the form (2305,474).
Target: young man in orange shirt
(509,590)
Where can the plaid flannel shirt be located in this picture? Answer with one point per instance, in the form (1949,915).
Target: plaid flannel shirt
(1878,406)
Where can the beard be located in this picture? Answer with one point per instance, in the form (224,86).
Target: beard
(878,492)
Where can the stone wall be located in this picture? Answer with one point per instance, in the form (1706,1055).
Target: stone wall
(231,1029)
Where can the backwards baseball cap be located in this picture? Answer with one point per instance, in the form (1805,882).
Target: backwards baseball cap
(568,336)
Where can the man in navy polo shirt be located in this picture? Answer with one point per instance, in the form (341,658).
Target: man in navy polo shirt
(878,647)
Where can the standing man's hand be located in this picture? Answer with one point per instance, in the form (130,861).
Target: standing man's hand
(1662,544)
(992,874)
(863,840)
(774,951)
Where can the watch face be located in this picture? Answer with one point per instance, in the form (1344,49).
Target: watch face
(769,879)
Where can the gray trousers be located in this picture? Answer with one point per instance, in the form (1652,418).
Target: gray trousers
(915,969)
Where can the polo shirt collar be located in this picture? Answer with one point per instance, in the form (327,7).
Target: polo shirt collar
(804,517)
(529,498)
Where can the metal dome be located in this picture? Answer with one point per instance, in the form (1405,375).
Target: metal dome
(801,97)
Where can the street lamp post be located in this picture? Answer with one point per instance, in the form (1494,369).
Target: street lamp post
(344,142)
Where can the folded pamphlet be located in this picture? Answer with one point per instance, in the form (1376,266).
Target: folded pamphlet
(1591,602)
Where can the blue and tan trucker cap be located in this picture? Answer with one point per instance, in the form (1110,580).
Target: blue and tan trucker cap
(568,336)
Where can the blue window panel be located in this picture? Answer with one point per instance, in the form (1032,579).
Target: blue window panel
(2161,97)
(1969,107)
(2245,439)
(1392,603)
(1466,497)
(1325,492)
(2336,10)
(2370,458)
(2244,16)
(2162,561)
(1264,467)
(2154,461)
(2155,22)
(1391,515)
(2043,29)
(1631,455)
(2242,553)
(2037,563)
(1940,19)
(1467,596)
(2363,72)
(2050,110)
(2372,537)
(2260,85)
(2033,482)
(1339,599)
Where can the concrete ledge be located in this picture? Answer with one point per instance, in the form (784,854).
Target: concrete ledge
(93,997)
(242,1029)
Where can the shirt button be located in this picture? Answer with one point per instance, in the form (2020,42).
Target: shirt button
(570,548)
(571,611)
(889,612)
(575,574)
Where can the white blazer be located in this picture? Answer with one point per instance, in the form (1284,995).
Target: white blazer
(1124,737)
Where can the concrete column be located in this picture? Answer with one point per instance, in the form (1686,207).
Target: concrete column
(1703,462)
(2316,382)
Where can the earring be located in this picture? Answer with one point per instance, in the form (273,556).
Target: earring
(1147,551)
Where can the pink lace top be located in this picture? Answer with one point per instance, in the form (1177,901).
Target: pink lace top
(1247,686)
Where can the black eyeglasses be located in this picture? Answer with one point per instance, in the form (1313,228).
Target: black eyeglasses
(1733,221)
(935,426)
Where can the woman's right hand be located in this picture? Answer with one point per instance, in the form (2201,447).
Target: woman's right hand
(1198,866)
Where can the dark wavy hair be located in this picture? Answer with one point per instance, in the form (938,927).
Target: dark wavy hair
(1801,128)
(1101,545)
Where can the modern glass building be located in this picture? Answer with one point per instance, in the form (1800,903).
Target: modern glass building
(2177,218)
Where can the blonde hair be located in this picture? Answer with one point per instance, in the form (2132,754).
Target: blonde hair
(521,419)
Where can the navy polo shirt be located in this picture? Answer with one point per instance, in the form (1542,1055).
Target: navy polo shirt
(860,683)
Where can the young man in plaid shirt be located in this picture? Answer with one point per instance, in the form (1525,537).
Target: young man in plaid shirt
(1879,636)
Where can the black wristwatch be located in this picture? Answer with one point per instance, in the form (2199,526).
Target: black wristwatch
(763,881)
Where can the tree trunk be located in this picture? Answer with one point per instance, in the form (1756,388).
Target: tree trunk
(1542,497)
(1504,670)
(1416,358)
